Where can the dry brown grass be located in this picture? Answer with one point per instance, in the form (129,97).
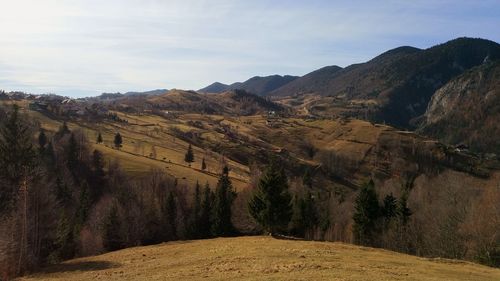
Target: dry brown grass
(352,138)
(262,258)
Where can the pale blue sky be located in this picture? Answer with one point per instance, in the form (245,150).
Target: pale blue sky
(85,47)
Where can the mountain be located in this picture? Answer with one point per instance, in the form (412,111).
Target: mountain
(315,82)
(238,102)
(467,110)
(118,94)
(263,85)
(400,82)
(258,85)
(147,93)
(241,102)
(352,80)
(216,87)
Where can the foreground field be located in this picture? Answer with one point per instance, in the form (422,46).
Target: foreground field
(262,258)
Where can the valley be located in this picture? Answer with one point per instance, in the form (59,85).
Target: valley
(398,153)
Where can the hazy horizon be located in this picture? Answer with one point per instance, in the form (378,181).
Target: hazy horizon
(83,48)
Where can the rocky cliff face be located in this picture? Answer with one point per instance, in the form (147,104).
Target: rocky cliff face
(467,109)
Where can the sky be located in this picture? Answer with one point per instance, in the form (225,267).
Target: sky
(85,47)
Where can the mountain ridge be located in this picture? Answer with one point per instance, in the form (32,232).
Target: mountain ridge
(401,81)
(259,85)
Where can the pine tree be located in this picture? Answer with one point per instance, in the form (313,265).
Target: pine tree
(206,207)
(118,141)
(98,180)
(63,130)
(366,213)
(307,178)
(72,154)
(224,197)
(112,238)
(389,208)
(402,210)
(65,240)
(270,205)
(17,156)
(98,162)
(83,207)
(152,233)
(203,164)
(309,215)
(304,215)
(189,157)
(50,154)
(42,140)
(63,194)
(194,223)
(170,217)
(99,138)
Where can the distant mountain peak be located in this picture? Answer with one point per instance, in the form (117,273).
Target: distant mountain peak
(259,85)
(215,87)
(403,50)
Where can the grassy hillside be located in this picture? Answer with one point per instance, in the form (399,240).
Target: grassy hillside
(262,258)
(347,149)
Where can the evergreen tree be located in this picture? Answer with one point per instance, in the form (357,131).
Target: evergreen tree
(403,212)
(194,223)
(17,156)
(307,178)
(63,130)
(309,215)
(304,215)
(206,207)
(189,157)
(203,164)
(83,207)
(42,140)
(112,238)
(99,138)
(270,204)
(63,194)
(389,208)
(170,215)
(72,154)
(98,179)
(366,213)
(65,240)
(98,163)
(50,154)
(224,197)
(118,141)
(152,233)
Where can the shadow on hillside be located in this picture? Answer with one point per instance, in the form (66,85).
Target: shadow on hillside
(80,266)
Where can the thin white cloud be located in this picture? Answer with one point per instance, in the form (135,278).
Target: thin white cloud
(89,46)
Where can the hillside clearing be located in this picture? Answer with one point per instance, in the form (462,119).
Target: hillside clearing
(262,258)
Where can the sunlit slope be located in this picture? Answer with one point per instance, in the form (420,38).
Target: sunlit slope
(346,151)
(262,258)
(153,142)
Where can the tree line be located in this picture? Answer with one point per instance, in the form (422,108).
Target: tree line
(60,199)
